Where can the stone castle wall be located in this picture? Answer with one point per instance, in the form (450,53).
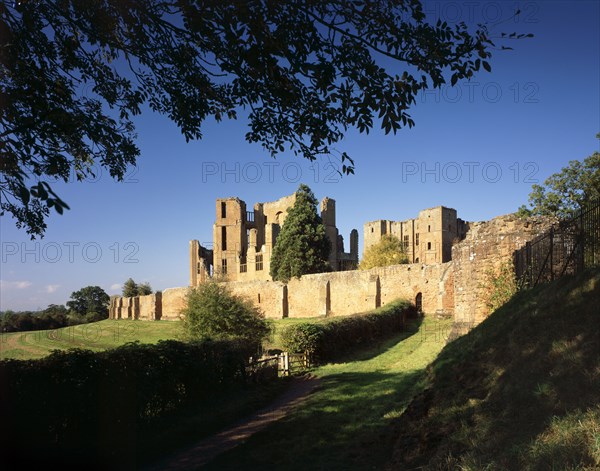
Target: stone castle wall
(323,294)
(453,288)
(486,246)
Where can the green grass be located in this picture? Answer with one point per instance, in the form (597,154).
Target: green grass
(521,391)
(107,334)
(95,336)
(340,425)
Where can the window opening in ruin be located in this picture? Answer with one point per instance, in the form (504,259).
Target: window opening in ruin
(428,228)
(372,230)
(243,264)
(405,242)
(259,262)
(419,302)
(417,260)
(258,298)
(428,245)
(223,238)
(223,209)
(417,238)
(224,266)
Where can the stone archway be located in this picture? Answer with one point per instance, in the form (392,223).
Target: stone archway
(419,302)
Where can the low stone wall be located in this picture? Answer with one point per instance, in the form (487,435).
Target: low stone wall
(268,296)
(173,302)
(323,294)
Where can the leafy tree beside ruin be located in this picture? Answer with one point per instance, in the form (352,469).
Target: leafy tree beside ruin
(131,288)
(213,312)
(388,251)
(302,246)
(74,75)
(566,192)
(90,300)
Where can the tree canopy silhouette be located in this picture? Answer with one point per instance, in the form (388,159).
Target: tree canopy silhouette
(74,73)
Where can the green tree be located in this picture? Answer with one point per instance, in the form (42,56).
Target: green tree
(143,289)
(213,312)
(89,299)
(567,191)
(130,288)
(74,74)
(302,246)
(388,251)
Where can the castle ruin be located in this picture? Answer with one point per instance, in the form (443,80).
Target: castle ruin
(427,239)
(448,262)
(243,241)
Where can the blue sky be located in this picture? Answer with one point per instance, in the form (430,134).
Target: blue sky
(477,147)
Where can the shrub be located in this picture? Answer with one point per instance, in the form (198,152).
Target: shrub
(499,285)
(213,312)
(338,337)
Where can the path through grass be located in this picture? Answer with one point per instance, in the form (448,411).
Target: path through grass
(342,425)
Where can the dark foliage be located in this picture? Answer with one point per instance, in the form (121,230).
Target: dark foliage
(78,403)
(74,74)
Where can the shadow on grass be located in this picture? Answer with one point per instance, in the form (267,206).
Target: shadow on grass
(136,445)
(503,395)
(340,426)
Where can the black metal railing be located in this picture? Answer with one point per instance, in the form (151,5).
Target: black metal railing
(567,248)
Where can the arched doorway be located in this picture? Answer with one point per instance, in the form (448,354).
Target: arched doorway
(419,303)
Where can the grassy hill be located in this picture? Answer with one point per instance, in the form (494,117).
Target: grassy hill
(106,334)
(521,391)
(94,336)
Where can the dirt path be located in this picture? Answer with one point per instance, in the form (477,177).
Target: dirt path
(205,450)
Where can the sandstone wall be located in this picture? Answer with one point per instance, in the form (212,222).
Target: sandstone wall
(147,307)
(324,294)
(486,246)
(434,282)
(268,296)
(173,301)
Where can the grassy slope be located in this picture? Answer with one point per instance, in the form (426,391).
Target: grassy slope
(340,424)
(107,334)
(521,391)
(95,336)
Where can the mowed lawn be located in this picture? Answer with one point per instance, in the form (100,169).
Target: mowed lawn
(107,334)
(95,336)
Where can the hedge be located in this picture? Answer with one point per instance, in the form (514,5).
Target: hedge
(326,341)
(90,402)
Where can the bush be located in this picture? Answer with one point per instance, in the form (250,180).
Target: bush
(78,401)
(336,338)
(213,312)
